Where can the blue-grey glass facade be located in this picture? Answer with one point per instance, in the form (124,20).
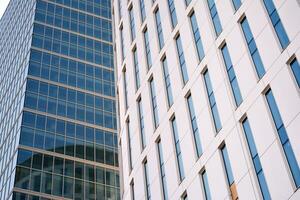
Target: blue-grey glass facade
(57,104)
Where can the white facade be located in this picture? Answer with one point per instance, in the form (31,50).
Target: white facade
(279,77)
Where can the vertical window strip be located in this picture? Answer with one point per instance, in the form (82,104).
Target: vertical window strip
(143,11)
(172,12)
(159,29)
(147,48)
(187,2)
(256,160)
(154,103)
(132,190)
(147,182)
(125,82)
(142,124)
(296,70)
(260,70)
(162,170)
(205,185)
(197,37)
(129,136)
(215,17)
(277,24)
(122,43)
(228,171)
(120,9)
(284,139)
(167,82)
(181,58)
(132,24)
(231,76)
(195,130)
(236,4)
(177,149)
(212,102)
(136,69)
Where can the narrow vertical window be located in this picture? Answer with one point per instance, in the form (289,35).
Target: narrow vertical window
(172,11)
(154,103)
(120,9)
(256,160)
(159,29)
(132,24)
(147,48)
(231,76)
(277,24)
(284,139)
(296,70)
(142,124)
(236,4)
(212,102)
(162,170)
(167,81)
(136,69)
(260,70)
(132,190)
(205,185)
(187,2)
(181,58)
(228,171)
(147,182)
(177,149)
(129,145)
(125,88)
(215,16)
(142,9)
(122,43)
(195,130)
(197,37)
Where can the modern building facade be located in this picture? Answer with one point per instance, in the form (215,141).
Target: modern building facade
(208,98)
(58,129)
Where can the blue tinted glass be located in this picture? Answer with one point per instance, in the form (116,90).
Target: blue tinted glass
(228,169)
(296,70)
(206,186)
(236,4)
(292,163)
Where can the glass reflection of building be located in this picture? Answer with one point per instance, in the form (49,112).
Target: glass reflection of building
(57,103)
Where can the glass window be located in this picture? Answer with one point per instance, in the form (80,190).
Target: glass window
(237,4)
(136,68)
(147,48)
(215,17)
(24,158)
(181,58)
(172,11)
(132,23)
(142,125)
(154,104)
(227,165)
(197,37)
(167,80)
(205,185)
(162,170)
(147,183)
(159,29)
(142,8)
(296,70)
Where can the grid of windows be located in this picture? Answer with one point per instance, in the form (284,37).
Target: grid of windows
(142,123)
(277,24)
(167,82)
(63,177)
(197,37)
(260,70)
(154,104)
(159,29)
(284,139)
(255,160)
(177,149)
(73,45)
(231,75)
(147,183)
(132,23)
(172,11)
(136,69)
(147,48)
(69,72)
(65,102)
(195,130)
(296,70)
(73,20)
(142,9)
(215,16)
(181,58)
(162,170)
(212,102)
(205,185)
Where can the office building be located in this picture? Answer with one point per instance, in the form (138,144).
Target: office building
(58,129)
(208,98)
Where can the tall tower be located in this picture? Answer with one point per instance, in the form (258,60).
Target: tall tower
(209,98)
(58,130)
